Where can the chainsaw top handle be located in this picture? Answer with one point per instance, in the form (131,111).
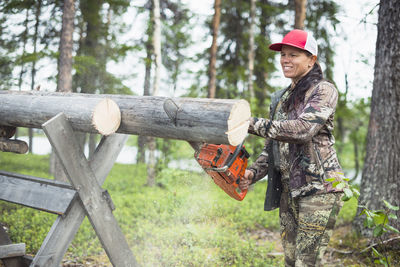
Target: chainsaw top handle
(235,154)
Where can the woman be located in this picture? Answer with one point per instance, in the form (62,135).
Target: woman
(298,154)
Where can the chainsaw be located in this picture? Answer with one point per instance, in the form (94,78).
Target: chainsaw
(225,164)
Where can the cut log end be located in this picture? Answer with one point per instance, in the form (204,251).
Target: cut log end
(238,122)
(14,146)
(106,117)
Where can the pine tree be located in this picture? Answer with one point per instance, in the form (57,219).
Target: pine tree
(380,178)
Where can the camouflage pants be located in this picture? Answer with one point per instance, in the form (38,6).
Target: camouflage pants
(306,226)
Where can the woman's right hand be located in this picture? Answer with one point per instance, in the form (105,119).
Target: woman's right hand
(246,181)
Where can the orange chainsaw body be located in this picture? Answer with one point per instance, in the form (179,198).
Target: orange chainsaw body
(226,165)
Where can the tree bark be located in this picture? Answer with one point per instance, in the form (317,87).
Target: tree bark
(151,141)
(217,121)
(380,179)
(251,47)
(92,145)
(142,140)
(212,73)
(33,69)
(300,13)
(156,46)
(64,83)
(24,40)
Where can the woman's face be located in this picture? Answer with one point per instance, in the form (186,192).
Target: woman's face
(295,62)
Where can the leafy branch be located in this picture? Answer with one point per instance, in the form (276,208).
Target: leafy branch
(378,220)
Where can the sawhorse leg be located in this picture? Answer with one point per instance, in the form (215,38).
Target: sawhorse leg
(81,175)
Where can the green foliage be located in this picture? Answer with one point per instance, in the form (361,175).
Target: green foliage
(99,45)
(378,220)
(322,21)
(351,126)
(176,27)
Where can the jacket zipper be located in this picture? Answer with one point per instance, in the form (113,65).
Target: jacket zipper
(321,166)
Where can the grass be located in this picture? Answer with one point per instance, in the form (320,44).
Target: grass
(185,221)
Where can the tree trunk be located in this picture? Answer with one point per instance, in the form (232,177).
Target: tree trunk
(33,70)
(151,141)
(381,171)
(251,47)
(24,39)
(141,158)
(64,82)
(156,47)
(300,13)
(216,121)
(141,153)
(92,145)
(356,160)
(151,164)
(260,71)
(90,9)
(212,73)
(30,140)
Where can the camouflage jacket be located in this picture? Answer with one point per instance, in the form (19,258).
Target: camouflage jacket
(307,133)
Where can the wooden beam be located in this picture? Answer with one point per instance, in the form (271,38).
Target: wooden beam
(218,121)
(42,194)
(12,250)
(77,168)
(65,227)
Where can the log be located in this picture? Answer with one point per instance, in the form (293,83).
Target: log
(93,115)
(14,146)
(7,131)
(217,121)
(12,250)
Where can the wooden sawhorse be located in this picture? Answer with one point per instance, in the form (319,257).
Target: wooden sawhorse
(84,197)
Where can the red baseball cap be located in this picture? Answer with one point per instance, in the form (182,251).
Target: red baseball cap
(300,39)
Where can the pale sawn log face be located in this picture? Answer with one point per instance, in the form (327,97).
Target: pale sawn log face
(218,121)
(106,117)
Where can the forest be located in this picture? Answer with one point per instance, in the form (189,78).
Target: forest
(171,212)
